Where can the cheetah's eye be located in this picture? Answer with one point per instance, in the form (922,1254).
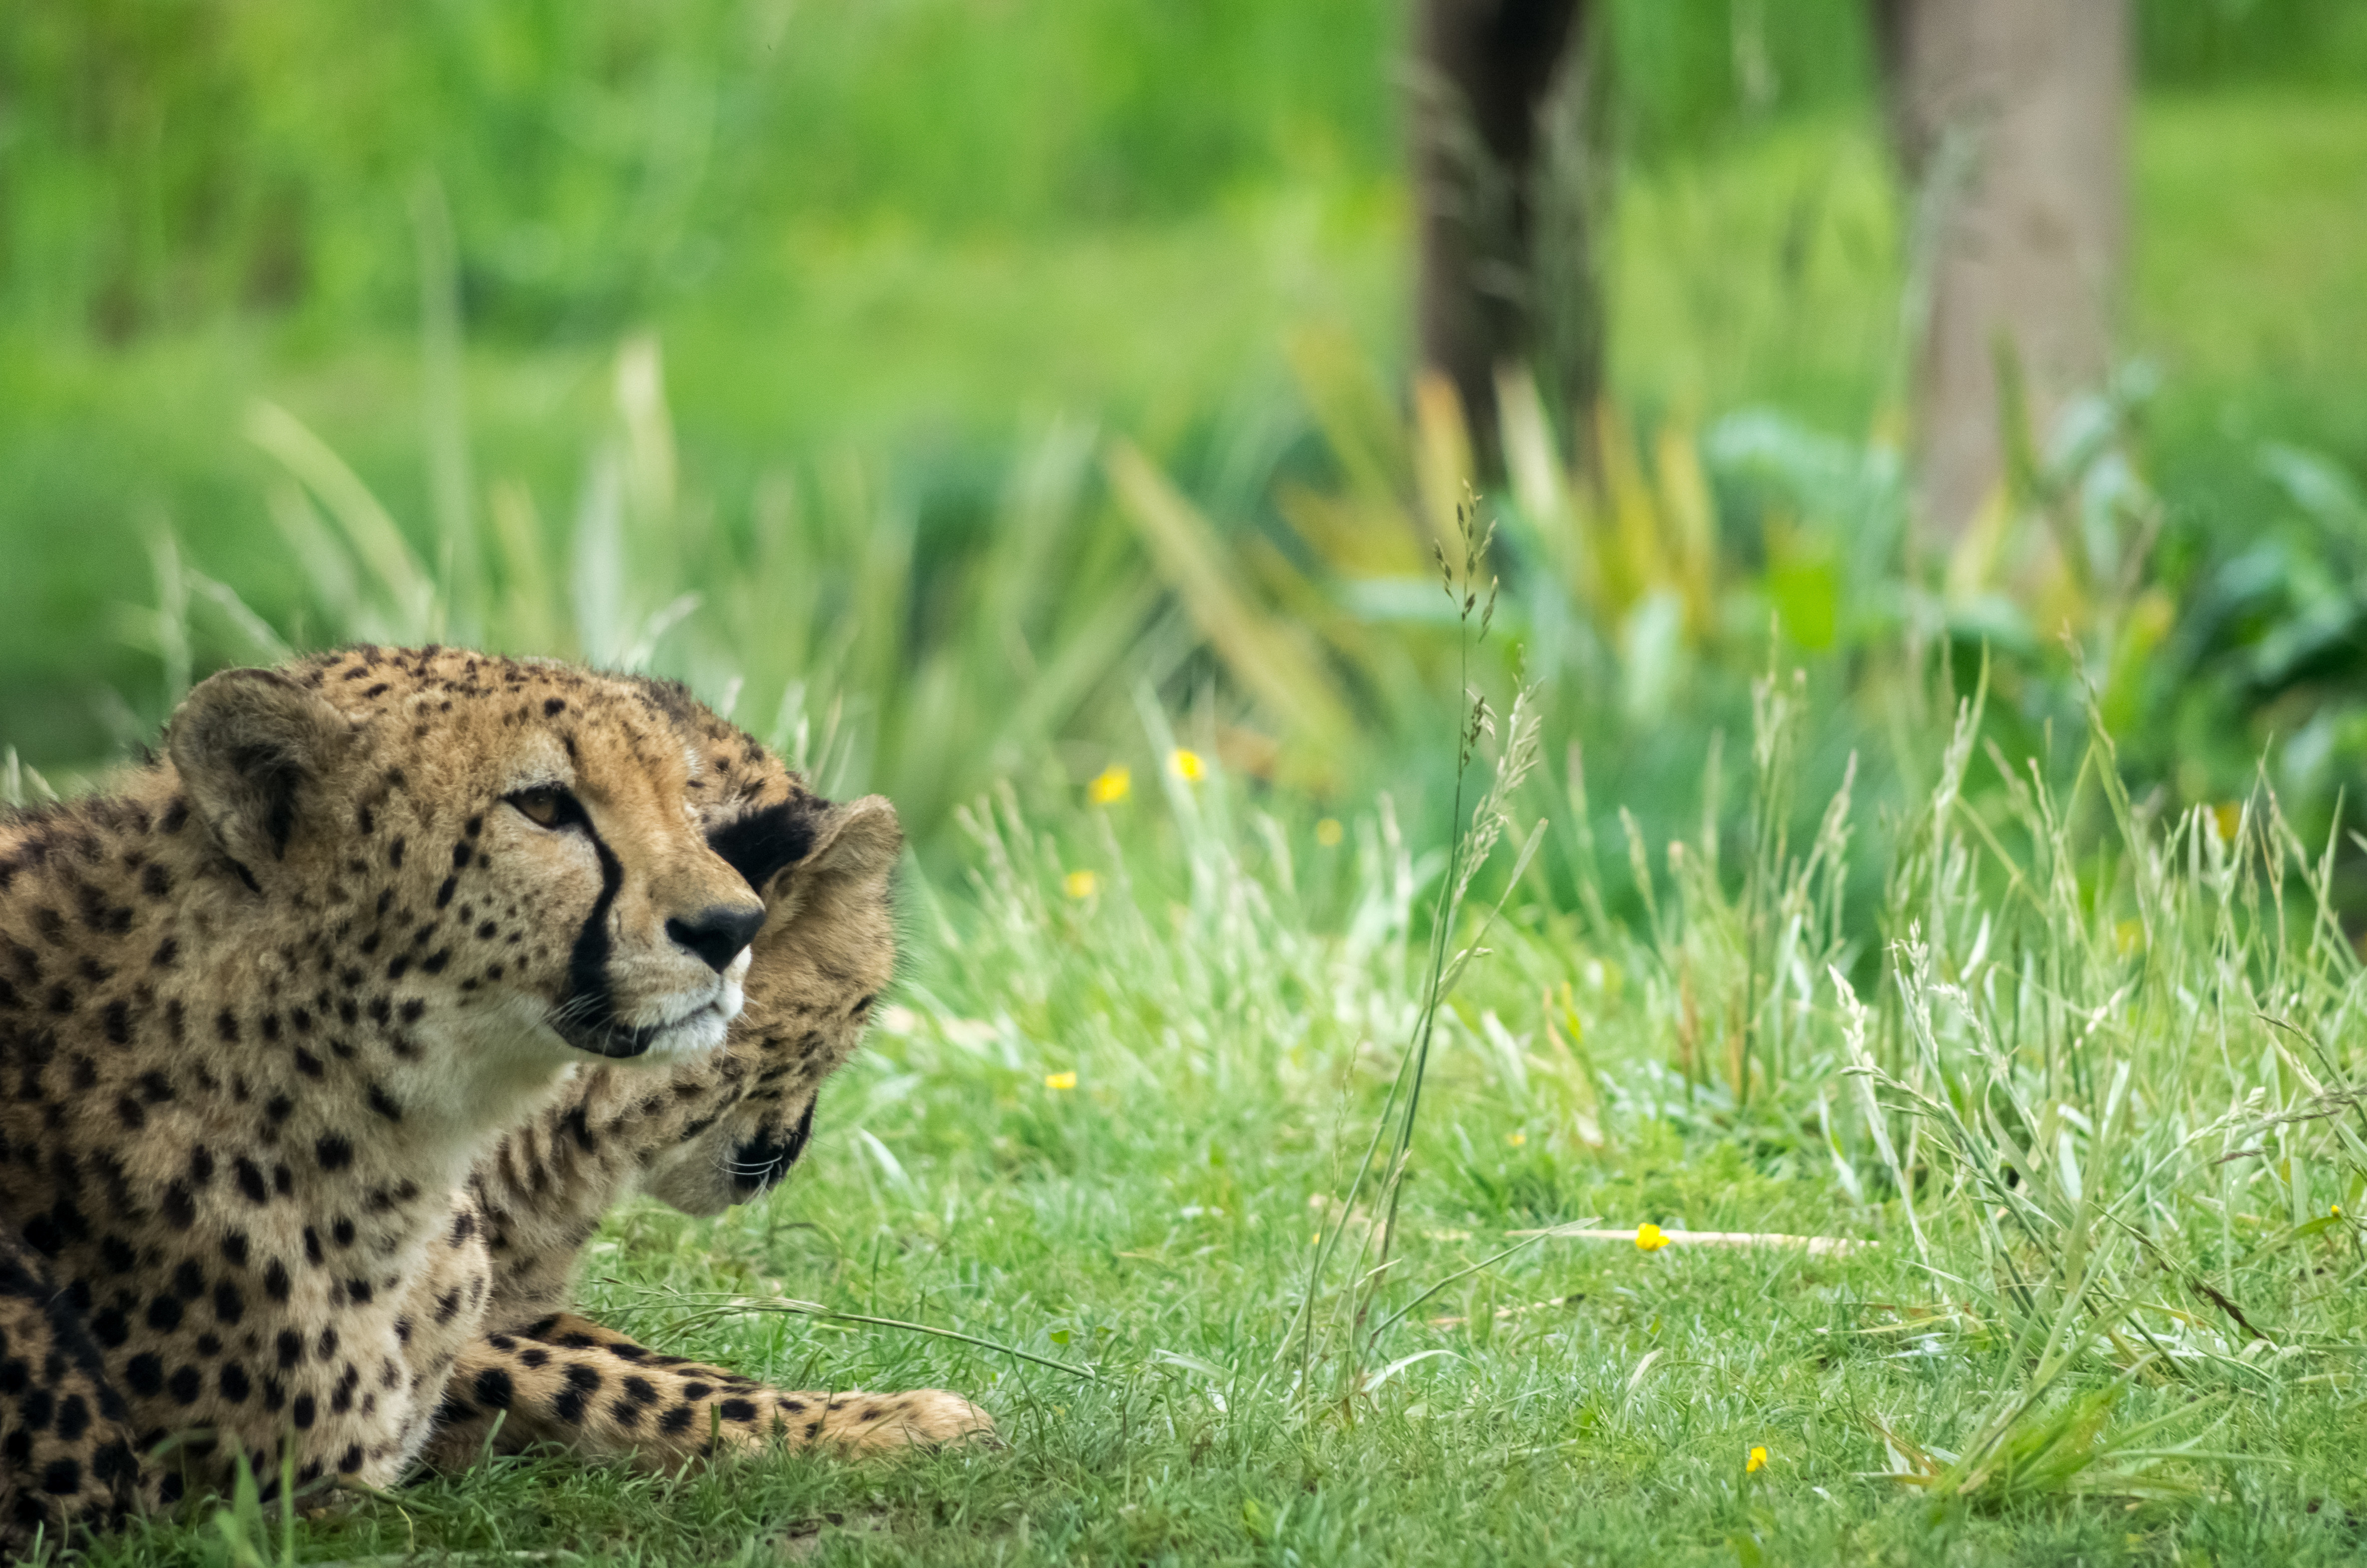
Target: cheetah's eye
(546,806)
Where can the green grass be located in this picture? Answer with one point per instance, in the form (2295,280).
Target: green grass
(2138,1078)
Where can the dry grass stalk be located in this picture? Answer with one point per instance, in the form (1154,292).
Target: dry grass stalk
(1817,1247)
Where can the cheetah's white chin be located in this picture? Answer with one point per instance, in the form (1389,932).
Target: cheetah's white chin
(702,1028)
(694,1036)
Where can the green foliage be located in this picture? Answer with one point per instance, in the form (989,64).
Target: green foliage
(2198,43)
(1696,71)
(172,162)
(929,363)
(882,653)
(817,627)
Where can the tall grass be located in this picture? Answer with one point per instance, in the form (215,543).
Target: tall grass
(2087,1071)
(1289,614)
(816,628)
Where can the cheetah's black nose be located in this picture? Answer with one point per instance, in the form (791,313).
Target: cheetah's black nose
(717,932)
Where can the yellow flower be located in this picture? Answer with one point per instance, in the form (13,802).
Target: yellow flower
(1329,832)
(1188,764)
(1080,884)
(1518,1138)
(1756,1462)
(1109,785)
(1648,1237)
(1059,1080)
(2227,816)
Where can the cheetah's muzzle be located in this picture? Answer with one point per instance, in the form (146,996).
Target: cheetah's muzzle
(717,935)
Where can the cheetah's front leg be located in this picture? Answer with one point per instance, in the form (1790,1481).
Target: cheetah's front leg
(566,1380)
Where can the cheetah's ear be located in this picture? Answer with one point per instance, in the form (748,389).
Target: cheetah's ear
(855,846)
(252,747)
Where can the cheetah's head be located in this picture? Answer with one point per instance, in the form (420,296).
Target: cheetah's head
(467,840)
(825,952)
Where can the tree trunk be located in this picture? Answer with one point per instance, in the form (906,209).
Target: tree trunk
(1507,162)
(2008,119)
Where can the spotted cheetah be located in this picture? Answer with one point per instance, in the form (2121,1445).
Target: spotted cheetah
(266,1004)
(716,1132)
(725,1127)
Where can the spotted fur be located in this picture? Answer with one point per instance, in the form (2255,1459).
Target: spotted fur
(715,1131)
(565,1380)
(264,1004)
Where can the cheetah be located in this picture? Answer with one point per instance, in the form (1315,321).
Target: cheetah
(266,1004)
(721,1129)
(716,1132)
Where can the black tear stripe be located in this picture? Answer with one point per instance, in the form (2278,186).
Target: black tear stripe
(758,845)
(590,1007)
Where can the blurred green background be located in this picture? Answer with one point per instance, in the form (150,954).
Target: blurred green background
(977,369)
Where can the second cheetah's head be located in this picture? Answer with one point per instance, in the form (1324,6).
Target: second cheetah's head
(464,839)
(827,950)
